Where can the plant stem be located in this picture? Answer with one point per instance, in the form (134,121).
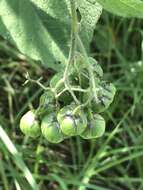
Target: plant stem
(29,79)
(91,74)
(74,29)
(76,89)
(39,84)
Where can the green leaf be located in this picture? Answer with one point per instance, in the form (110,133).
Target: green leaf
(61,10)
(125,8)
(41,29)
(36,34)
(2,28)
(90,12)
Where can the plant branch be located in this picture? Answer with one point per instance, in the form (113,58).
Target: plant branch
(91,74)
(74,29)
(76,89)
(29,79)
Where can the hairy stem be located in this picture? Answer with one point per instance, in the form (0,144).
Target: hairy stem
(76,89)
(74,29)
(91,74)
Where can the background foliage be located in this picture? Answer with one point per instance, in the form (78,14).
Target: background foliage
(47,38)
(109,163)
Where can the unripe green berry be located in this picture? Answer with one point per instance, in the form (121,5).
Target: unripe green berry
(72,124)
(29,124)
(47,103)
(95,128)
(51,129)
(98,72)
(65,96)
(106,95)
(81,73)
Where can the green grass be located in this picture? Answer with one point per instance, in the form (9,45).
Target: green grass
(113,162)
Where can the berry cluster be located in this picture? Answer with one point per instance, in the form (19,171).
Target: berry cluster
(71,106)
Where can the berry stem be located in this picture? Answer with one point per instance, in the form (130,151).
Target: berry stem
(29,79)
(74,30)
(76,89)
(91,74)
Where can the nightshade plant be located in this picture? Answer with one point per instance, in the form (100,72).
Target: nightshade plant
(77,95)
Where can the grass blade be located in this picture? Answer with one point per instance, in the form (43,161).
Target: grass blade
(17,159)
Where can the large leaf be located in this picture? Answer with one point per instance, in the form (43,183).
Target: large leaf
(41,29)
(125,8)
(27,30)
(90,12)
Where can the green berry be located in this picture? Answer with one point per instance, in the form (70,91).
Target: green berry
(106,95)
(98,72)
(80,72)
(47,103)
(65,97)
(29,124)
(51,129)
(72,124)
(95,128)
